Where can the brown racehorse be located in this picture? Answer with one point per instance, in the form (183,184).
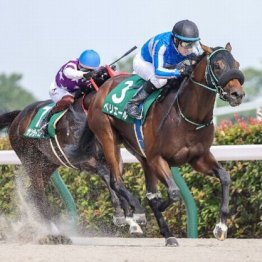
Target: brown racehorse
(177,131)
(80,150)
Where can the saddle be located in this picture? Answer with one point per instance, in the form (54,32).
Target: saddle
(115,102)
(34,130)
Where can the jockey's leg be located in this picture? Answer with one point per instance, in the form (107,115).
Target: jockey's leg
(146,71)
(61,105)
(132,106)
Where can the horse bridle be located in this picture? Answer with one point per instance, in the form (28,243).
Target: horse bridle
(212,85)
(211,78)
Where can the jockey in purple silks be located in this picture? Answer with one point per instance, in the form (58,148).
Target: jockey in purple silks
(70,78)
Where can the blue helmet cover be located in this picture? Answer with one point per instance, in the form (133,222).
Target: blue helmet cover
(89,59)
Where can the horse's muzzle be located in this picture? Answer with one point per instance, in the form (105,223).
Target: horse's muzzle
(235,97)
(234,94)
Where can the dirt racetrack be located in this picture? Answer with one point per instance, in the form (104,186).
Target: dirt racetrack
(135,249)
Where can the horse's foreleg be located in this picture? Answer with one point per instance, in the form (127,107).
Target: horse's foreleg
(138,210)
(208,165)
(162,171)
(164,229)
(119,217)
(159,169)
(220,230)
(127,200)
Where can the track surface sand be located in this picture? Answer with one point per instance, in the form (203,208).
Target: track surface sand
(135,249)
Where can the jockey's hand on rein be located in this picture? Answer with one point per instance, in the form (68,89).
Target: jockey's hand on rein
(89,75)
(186,71)
(185,68)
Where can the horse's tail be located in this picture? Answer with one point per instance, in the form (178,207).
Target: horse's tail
(7,118)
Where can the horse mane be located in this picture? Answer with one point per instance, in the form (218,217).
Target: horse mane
(166,113)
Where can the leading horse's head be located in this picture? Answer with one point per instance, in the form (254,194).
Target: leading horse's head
(222,74)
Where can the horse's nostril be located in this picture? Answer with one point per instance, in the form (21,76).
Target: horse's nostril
(237,94)
(234,94)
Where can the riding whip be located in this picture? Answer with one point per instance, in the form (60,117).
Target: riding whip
(127,53)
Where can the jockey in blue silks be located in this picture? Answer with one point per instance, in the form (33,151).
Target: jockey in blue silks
(161,58)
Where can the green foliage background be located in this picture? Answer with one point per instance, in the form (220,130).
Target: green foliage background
(95,211)
(12,95)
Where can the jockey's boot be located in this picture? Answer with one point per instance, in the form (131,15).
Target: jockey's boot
(61,105)
(132,105)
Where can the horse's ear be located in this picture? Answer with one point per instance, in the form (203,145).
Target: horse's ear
(228,47)
(206,49)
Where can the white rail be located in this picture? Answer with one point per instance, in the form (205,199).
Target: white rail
(221,153)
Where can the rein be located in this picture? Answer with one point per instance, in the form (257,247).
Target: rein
(212,85)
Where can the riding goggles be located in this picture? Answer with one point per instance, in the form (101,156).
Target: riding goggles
(187,45)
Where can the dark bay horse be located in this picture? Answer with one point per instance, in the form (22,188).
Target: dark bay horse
(78,149)
(177,131)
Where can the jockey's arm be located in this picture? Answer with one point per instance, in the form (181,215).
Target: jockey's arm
(71,72)
(158,62)
(98,76)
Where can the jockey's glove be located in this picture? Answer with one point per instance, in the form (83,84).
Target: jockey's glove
(184,68)
(89,75)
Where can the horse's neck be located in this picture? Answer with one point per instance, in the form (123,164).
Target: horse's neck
(86,100)
(197,102)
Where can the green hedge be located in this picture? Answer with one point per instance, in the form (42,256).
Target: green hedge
(95,211)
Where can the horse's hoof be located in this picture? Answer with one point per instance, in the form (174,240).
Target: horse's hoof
(55,240)
(134,228)
(171,242)
(220,231)
(119,221)
(135,231)
(140,219)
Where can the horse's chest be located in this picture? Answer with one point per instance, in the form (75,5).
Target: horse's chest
(181,154)
(186,154)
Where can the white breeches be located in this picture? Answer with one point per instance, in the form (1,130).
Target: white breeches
(146,70)
(56,93)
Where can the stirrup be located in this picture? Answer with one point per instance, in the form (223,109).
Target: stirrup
(137,116)
(133,111)
(44,128)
